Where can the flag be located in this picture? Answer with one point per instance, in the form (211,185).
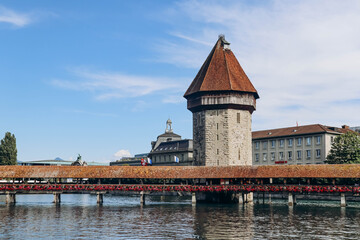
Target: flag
(149,161)
(143,162)
(176,159)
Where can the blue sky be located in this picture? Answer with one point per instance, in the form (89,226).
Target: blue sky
(101,78)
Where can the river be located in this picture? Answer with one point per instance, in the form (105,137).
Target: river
(121,217)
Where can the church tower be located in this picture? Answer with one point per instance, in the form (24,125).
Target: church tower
(222,99)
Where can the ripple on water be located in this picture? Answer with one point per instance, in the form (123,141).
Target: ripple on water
(122,217)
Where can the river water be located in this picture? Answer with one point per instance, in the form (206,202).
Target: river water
(121,217)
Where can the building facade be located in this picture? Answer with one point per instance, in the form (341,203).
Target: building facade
(173,153)
(222,99)
(170,150)
(130,161)
(298,145)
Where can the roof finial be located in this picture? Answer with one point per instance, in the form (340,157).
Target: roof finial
(168,126)
(224,43)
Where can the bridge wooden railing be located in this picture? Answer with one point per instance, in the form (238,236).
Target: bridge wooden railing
(75,188)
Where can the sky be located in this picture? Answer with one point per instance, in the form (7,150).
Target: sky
(100,78)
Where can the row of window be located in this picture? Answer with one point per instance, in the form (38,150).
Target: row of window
(166,158)
(290,142)
(166,148)
(289,155)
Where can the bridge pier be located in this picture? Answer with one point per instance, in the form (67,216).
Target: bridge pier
(343,200)
(10,198)
(292,199)
(193,198)
(57,197)
(142,198)
(99,197)
(249,197)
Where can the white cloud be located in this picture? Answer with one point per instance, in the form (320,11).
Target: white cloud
(14,18)
(301,56)
(122,153)
(110,85)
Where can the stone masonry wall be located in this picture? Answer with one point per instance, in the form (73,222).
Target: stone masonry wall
(220,139)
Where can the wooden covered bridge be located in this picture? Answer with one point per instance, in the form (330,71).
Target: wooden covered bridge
(216,183)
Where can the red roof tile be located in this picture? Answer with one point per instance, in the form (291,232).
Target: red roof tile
(221,72)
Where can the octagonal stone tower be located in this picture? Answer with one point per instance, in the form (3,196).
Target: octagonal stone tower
(222,99)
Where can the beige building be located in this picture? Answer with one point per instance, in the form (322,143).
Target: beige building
(298,145)
(222,99)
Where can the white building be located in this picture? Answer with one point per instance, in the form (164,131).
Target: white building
(298,145)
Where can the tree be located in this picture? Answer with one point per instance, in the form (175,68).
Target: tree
(345,149)
(8,151)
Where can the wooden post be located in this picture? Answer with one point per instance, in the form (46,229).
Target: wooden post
(99,197)
(241,198)
(57,197)
(292,199)
(270,181)
(193,198)
(142,198)
(343,200)
(10,198)
(263,198)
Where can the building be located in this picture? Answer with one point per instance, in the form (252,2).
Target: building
(298,145)
(222,99)
(170,150)
(356,129)
(130,161)
(57,163)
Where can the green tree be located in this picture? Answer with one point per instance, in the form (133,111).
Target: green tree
(8,151)
(345,149)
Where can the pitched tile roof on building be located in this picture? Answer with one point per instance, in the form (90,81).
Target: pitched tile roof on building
(298,130)
(174,146)
(221,72)
(169,135)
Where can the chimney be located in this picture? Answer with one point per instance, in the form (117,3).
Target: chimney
(345,127)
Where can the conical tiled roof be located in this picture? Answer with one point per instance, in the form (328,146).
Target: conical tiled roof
(221,72)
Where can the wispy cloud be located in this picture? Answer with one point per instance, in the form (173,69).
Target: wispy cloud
(296,53)
(110,85)
(14,18)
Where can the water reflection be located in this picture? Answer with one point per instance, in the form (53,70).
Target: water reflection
(122,217)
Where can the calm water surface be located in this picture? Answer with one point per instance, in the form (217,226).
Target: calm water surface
(122,217)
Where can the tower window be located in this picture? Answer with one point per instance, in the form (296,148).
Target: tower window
(217,151)
(217,136)
(238,117)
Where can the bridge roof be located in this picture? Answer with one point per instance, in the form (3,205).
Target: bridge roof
(182,172)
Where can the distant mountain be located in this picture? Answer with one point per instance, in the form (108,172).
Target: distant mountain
(59,159)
